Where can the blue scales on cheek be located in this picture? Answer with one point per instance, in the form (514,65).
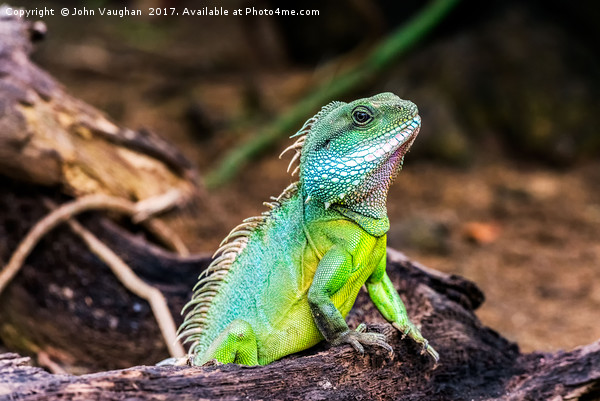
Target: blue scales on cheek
(352,163)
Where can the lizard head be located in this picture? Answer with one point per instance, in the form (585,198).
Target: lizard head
(352,152)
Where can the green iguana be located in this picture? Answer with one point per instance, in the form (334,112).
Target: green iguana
(285,281)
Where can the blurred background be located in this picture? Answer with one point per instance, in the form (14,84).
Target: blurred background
(502,185)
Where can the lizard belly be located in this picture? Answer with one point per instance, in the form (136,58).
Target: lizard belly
(292,327)
(295,333)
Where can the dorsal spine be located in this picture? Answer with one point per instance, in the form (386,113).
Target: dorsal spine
(211,279)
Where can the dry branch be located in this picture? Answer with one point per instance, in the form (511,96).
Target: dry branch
(67,211)
(51,145)
(65,301)
(136,285)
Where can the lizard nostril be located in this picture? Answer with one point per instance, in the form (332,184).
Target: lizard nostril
(409,107)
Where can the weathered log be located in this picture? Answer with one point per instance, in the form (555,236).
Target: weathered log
(50,138)
(476,362)
(70,307)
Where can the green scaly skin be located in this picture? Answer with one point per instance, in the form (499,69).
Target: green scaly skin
(286,280)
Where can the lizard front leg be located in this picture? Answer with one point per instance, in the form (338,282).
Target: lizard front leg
(332,273)
(388,302)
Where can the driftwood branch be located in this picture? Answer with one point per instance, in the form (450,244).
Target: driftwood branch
(65,301)
(54,146)
(66,212)
(476,362)
(136,285)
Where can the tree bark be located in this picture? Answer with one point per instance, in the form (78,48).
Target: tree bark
(476,363)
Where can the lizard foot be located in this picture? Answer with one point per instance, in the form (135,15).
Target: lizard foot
(411,330)
(356,338)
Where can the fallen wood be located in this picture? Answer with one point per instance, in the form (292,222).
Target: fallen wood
(476,362)
(50,138)
(65,302)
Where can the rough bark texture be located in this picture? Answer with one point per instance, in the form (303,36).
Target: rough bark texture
(476,362)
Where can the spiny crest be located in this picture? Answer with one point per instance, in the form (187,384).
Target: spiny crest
(211,279)
(303,132)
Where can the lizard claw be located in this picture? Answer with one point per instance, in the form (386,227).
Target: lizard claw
(414,333)
(356,338)
(405,333)
(432,352)
(356,345)
(212,362)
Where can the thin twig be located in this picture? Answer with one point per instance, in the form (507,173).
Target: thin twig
(134,284)
(70,209)
(166,236)
(156,204)
(45,361)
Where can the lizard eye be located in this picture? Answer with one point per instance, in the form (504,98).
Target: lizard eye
(361,115)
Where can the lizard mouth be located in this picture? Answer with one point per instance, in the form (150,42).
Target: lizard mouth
(397,140)
(410,133)
(401,139)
